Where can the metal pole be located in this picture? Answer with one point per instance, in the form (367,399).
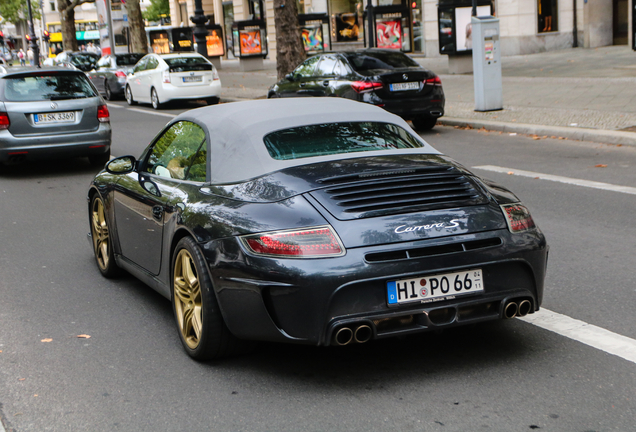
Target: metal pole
(575,37)
(370,20)
(42,28)
(32,44)
(111,36)
(200,32)
(474,13)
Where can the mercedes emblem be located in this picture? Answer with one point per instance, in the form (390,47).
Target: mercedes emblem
(406,77)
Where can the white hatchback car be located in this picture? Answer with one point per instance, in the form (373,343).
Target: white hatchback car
(160,78)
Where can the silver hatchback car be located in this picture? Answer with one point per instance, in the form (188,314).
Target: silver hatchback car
(52,112)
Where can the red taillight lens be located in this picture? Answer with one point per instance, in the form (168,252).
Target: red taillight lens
(102,114)
(366,86)
(307,243)
(166,76)
(433,81)
(120,74)
(518,217)
(4,121)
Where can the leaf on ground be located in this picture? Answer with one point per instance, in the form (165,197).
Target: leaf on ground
(84,336)
(511,172)
(21,379)
(47,340)
(600,166)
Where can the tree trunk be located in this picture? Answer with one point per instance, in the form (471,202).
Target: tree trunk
(290,51)
(67,16)
(137,27)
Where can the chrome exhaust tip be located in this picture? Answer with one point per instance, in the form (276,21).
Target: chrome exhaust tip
(510,311)
(524,308)
(343,336)
(363,334)
(436,113)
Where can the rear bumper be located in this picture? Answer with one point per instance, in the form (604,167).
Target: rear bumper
(308,301)
(409,108)
(169,92)
(33,147)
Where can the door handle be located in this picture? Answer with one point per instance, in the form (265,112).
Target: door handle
(302,84)
(325,83)
(157,212)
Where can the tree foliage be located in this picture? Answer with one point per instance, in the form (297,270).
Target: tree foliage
(16,11)
(156,9)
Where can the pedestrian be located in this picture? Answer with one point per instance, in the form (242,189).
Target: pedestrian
(22,56)
(30,56)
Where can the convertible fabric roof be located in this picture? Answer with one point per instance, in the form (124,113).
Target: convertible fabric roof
(236,131)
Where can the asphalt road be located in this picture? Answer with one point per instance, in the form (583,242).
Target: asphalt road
(132,374)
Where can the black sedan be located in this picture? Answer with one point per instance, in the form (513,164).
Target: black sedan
(323,222)
(385,78)
(109,74)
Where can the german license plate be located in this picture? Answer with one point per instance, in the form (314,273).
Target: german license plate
(435,288)
(196,78)
(58,117)
(405,86)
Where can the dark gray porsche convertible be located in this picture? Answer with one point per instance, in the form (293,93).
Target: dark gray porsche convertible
(314,221)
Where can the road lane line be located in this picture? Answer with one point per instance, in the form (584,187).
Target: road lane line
(588,334)
(151,112)
(559,179)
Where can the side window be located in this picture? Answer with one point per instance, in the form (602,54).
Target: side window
(340,69)
(326,67)
(141,65)
(152,63)
(306,69)
(180,153)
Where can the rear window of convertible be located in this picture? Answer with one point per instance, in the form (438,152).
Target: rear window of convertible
(46,86)
(337,138)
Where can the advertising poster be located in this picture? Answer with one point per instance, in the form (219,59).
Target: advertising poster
(214,44)
(312,38)
(250,41)
(182,39)
(159,42)
(347,27)
(389,33)
(463,27)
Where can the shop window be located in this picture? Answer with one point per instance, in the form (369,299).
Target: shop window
(547,12)
(52,4)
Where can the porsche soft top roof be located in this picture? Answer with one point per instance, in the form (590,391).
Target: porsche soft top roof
(236,132)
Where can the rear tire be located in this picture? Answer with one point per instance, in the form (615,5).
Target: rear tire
(109,94)
(129,96)
(424,122)
(212,100)
(154,99)
(202,330)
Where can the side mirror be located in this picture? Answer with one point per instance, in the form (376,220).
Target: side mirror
(121,165)
(289,77)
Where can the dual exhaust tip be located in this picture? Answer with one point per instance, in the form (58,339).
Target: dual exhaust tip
(517,308)
(347,335)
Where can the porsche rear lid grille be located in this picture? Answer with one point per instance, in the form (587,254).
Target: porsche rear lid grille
(369,195)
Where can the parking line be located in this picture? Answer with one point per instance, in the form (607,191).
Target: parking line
(559,179)
(588,334)
(152,112)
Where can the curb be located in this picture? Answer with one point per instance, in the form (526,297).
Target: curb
(582,134)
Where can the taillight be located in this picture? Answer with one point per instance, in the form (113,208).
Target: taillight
(215,74)
(4,121)
(433,81)
(306,243)
(102,114)
(120,74)
(366,86)
(166,76)
(518,217)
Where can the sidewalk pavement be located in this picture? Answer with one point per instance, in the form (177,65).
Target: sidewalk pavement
(578,93)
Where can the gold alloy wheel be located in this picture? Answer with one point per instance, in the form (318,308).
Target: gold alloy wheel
(187,299)
(101,240)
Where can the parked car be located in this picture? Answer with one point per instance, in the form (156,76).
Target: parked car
(51,112)
(312,221)
(109,75)
(386,78)
(160,78)
(82,60)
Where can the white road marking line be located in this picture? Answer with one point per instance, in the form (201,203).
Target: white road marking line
(560,179)
(112,105)
(588,334)
(151,112)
